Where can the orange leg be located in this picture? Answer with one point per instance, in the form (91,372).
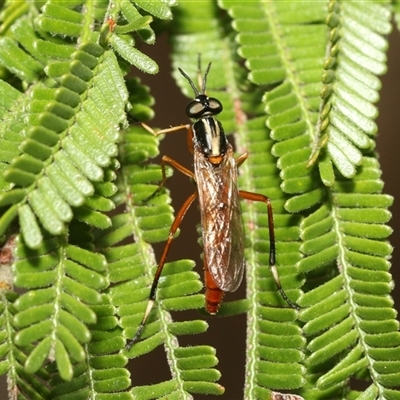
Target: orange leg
(175,225)
(272,252)
(173,163)
(171,129)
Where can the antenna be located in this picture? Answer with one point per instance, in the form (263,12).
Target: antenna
(203,86)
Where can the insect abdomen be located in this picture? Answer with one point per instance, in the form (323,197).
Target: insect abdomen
(214,294)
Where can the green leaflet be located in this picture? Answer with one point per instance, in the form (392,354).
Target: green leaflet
(133,56)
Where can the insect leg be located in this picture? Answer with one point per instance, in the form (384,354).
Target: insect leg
(175,225)
(241,159)
(173,163)
(163,131)
(272,252)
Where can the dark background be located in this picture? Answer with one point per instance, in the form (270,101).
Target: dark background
(227,335)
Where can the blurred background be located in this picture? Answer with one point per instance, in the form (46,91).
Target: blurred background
(228,335)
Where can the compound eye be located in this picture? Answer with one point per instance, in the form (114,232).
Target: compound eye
(203,106)
(214,105)
(195,109)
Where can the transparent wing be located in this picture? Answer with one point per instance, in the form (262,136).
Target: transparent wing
(221,220)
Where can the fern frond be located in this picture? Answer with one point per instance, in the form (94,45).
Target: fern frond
(62,155)
(355,57)
(292,105)
(66,151)
(103,373)
(13,359)
(10,135)
(64,280)
(128,19)
(275,362)
(14,103)
(349,318)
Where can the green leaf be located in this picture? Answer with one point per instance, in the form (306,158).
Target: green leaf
(63,362)
(133,56)
(29,226)
(157,8)
(38,356)
(17,61)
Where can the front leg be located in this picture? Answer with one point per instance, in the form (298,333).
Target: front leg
(168,160)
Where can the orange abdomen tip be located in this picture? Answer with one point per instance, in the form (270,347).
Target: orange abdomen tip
(214,294)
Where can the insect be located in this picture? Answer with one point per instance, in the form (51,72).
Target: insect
(215,174)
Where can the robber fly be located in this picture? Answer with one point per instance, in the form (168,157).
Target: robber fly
(215,174)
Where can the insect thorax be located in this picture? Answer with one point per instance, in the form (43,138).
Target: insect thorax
(210,136)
